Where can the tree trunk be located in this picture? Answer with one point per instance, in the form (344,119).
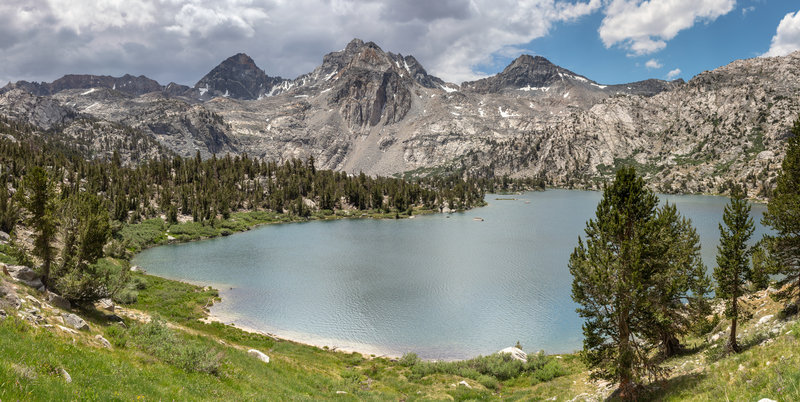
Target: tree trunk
(670,345)
(733,347)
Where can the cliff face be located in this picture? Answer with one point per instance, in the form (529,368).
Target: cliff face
(367,110)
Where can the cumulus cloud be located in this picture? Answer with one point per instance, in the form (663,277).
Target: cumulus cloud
(644,27)
(787,37)
(180,40)
(653,63)
(673,73)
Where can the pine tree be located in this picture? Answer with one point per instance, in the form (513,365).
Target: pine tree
(9,212)
(783,215)
(733,258)
(39,200)
(679,282)
(610,283)
(86,230)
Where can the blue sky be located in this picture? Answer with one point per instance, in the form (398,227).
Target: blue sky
(609,41)
(744,32)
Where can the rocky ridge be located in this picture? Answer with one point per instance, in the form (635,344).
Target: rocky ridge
(367,110)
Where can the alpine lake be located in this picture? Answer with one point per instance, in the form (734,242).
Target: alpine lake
(445,286)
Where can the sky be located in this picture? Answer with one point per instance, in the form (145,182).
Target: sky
(609,41)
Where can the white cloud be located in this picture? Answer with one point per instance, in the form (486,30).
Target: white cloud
(747,10)
(787,36)
(653,63)
(644,27)
(673,73)
(180,40)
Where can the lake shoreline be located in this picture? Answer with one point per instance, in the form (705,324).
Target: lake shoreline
(369,351)
(237,316)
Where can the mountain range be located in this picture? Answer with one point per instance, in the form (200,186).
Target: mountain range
(364,109)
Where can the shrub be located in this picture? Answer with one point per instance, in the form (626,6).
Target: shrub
(117,335)
(499,367)
(158,340)
(193,230)
(141,235)
(704,326)
(408,360)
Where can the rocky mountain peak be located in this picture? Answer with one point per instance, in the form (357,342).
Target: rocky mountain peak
(525,71)
(237,77)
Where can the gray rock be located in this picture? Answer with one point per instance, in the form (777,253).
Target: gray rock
(75,322)
(58,301)
(4,237)
(66,375)
(258,354)
(106,304)
(8,297)
(23,274)
(106,344)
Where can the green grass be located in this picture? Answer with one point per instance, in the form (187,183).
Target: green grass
(174,300)
(771,371)
(144,234)
(7,255)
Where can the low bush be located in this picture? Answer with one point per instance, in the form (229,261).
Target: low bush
(161,342)
(143,234)
(193,230)
(497,367)
(117,335)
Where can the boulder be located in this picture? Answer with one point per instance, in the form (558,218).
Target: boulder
(515,353)
(765,319)
(260,355)
(23,274)
(4,237)
(75,322)
(58,301)
(8,297)
(103,341)
(106,304)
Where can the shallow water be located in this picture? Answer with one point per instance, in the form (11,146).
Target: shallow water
(443,287)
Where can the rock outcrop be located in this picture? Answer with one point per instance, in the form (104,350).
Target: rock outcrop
(25,275)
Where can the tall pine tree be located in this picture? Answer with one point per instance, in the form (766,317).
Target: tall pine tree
(679,283)
(39,201)
(733,258)
(639,281)
(783,215)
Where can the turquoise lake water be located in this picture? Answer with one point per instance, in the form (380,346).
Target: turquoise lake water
(443,287)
